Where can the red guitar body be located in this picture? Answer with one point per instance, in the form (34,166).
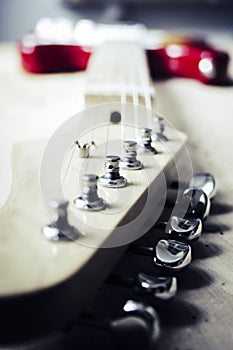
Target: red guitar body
(177,58)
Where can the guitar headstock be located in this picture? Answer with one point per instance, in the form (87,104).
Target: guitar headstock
(65,274)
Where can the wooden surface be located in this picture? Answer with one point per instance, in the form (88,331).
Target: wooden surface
(202,314)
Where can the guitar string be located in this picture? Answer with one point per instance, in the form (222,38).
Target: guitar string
(143,78)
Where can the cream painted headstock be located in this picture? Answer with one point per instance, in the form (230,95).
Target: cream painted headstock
(48,282)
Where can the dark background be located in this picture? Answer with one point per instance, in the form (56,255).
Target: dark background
(19,16)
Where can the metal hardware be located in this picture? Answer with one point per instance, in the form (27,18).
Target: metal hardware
(145,141)
(112,177)
(159,287)
(129,160)
(185,229)
(139,328)
(60,229)
(169,253)
(204,182)
(89,200)
(150,316)
(195,203)
(158,129)
(172,254)
(84,148)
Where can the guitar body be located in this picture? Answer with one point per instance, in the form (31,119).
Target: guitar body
(168,55)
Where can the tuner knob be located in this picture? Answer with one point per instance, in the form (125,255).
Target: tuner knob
(185,229)
(172,254)
(145,141)
(194,203)
(205,182)
(158,129)
(139,330)
(160,287)
(89,200)
(130,161)
(169,253)
(60,229)
(112,177)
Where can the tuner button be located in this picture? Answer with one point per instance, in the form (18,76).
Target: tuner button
(60,229)
(204,182)
(172,254)
(89,200)
(185,229)
(145,141)
(195,203)
(150,317)
(130,161)
(112,177)
(158,286)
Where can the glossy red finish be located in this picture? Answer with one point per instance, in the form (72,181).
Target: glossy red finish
(53,58)
(189,59)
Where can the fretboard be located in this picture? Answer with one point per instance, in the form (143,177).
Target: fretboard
(118,72)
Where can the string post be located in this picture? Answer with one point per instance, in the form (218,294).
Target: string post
(145,141)
(112,177)
(158,129)
(60,229)
(89,200)
(129,160)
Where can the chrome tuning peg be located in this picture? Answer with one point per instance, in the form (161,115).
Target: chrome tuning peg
(204,182)
(129,160)
(159,287)
(180,228)
(144,333)
(194,203)
(172,254)
(60,229)
(158,129)
(84,148)
(112,177)
(185,229)
(145,141)
(89,200)
(138,328)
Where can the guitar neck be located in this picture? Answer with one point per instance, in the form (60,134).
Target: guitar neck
(118,72)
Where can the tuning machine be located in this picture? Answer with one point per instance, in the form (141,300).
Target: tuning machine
(145,141)
(187,229)
(129,160)
(60,229)
(205,182)
(159,287)
(112,177)
(158,129)
(194,203)
(172,254)
(180,228)
(139,327)
(89,200)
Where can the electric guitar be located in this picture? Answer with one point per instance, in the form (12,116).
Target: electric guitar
(51,267)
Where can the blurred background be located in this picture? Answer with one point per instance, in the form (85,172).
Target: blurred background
(19,16)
